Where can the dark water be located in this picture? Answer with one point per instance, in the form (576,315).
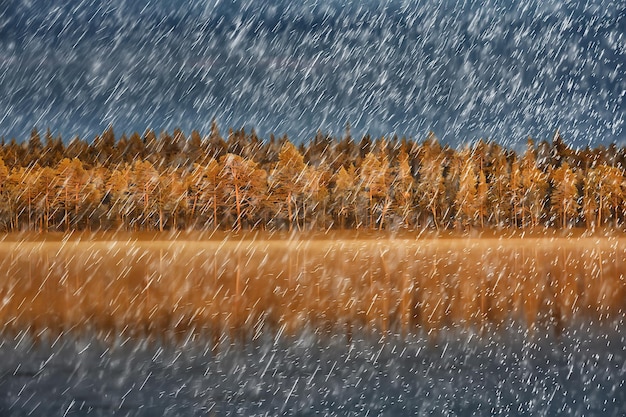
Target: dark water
(456,372)
(493,69)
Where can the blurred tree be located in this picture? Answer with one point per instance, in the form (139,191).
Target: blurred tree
(77,148)
(176,204)
(53,150)
(564,199)
(34,149)
(403,189)
(117,197)
(343,194)
(499,193)
(103,149)
(143,188)
(93,207)
(71,178)
(466,201)
(286,183)
(605,185)
(203,186)
(535,187)
(316,194)
(375,181)
(169,197)
(19,188)
(193,148)
(430,186)
(243,186)
(45,194)
(482,197)
(215,147)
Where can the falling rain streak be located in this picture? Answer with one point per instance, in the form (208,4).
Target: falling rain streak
(488,69)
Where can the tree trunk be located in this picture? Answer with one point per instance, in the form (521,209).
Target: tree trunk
(77,203)
(371,211)
(238,206)
(383,214)
(67,220)
(214,211)
(434,212)
(289,214)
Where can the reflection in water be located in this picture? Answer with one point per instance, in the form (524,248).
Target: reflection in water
(453,373)
(245,286)
(143,328)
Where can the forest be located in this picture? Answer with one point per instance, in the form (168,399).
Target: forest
(173,182)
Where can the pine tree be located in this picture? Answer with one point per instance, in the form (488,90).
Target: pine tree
(316,193)
(564,199)
(117,193)
(243,185)
(404,189)
(203,186)
(343,194)
(72,179)
(375,181)
(143,188)
(499,194)
(430,186)
(466,200)
(287,182)
(534,185)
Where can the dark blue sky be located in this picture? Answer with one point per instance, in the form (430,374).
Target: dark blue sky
(486,69)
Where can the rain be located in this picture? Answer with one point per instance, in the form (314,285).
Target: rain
(465,70)
(380,237)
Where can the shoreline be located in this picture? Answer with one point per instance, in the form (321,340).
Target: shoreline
(315,235)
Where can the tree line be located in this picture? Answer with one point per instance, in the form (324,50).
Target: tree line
(171,181)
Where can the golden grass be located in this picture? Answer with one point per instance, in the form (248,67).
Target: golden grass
(247,283)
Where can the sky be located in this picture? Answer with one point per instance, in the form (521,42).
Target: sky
(487,69)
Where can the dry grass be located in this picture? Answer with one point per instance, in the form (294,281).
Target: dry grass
(246,283)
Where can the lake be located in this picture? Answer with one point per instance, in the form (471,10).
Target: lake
(325,324)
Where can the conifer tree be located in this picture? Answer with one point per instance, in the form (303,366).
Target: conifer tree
(72,179)
(375,180)
(343,194)
(564,199)
(430,185)
(534,185)
(466,201)
(287,182)
(204,185)
(117,193)
(499,194)
(243,185)
(143,188)
(404,189)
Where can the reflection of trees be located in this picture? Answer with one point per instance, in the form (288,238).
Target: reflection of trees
(416,287)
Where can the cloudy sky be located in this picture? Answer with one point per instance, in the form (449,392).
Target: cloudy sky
(462,69)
